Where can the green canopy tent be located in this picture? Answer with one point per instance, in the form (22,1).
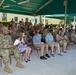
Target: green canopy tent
(70,17)
(22,6)
(37,7)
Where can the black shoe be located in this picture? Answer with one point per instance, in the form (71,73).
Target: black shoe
(64,51)
(26,61)
(29,60)
(52,55)
(43,58)
(47,55)
(60,54)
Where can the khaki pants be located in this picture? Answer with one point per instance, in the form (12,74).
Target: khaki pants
(52,45)
(42,47)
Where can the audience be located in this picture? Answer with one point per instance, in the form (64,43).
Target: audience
(41,37)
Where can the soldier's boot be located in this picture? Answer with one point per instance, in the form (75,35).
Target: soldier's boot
(7,69)
(18,64)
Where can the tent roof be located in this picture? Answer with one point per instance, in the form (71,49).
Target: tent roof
(61,16)
(57,7)
(37,7)
(26,8)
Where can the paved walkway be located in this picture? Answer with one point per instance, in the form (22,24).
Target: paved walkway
(58,65)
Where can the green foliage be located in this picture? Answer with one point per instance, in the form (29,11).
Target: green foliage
(68,22)
(6,23)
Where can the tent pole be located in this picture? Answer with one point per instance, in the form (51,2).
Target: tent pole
(74,22)
(34,19)
(65,4)
(74,19)
(44,21)
(40,19)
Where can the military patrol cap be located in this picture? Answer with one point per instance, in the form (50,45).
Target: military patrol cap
(4,28)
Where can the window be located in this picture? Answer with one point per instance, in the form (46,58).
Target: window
(35,20)
(4,16)
(16,19)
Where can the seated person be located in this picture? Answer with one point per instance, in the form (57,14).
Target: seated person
(64,40)
(50,41)
(73,36)
(6,46)
(61,39)
(37,43)
(22,47)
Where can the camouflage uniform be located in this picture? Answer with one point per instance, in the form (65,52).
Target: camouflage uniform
(5,47)
(73,37)
(0,31)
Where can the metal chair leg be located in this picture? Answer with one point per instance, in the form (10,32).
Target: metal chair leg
(10,59)
(38,53)
(0,61)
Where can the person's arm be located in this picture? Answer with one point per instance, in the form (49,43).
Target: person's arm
(13,46)
(52,39)
(16,43)
(46,38)
(10,42)
(58,39)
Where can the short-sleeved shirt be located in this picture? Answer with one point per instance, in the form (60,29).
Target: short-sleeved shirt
(49,37)
(21,47)
(36,39)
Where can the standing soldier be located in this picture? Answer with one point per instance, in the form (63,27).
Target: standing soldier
(6,46)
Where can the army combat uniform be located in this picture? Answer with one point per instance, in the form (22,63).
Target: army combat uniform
(5,48)
(73,37)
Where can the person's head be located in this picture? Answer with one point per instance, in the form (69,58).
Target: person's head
(39,33)
(22,19)
(50,31)
(45,29)
(5,30)
(14,28)
(30,20)
(11,27)
(60,31)
(17,37)
(12,19)
(37,30)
